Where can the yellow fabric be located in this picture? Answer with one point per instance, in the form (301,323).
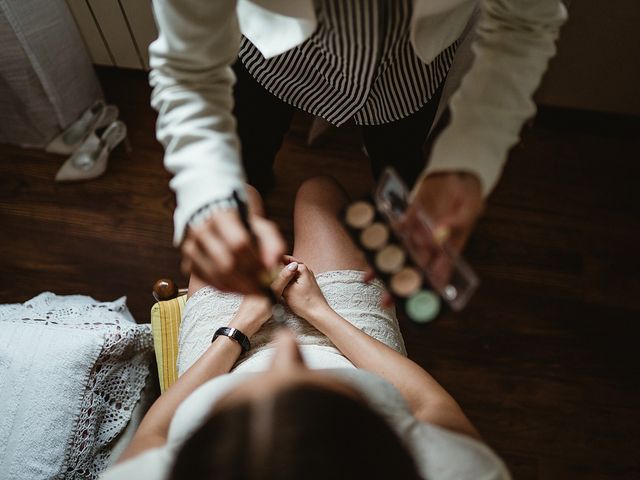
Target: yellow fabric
(165,326)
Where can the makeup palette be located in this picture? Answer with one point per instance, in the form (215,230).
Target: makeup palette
(388,257)
(419,272)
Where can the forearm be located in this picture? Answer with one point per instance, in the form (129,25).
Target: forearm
(426,398)
(514,42)
(217,360)
(192,85)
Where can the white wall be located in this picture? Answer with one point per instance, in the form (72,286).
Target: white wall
(117,32)
(598,62)
(597,66)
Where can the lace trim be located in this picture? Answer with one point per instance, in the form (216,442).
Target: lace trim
(115,383)
(359,303)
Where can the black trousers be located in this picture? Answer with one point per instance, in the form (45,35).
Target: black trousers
(263,120)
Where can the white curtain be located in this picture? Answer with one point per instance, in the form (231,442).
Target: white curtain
(46,76)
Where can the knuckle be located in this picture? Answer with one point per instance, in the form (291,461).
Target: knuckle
(283,275)
(196,230)
(239,243)
(227,265)
(270,224)
(202,240)
(269,227)
(188,248)
(204,227)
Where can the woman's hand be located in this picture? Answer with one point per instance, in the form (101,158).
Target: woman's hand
(255,310)
(303,295)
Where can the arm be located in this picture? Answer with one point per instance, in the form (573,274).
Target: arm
(192,91)
(217,360)
(515,40)
(428,401)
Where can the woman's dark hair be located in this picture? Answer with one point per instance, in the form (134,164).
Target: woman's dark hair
(304,432)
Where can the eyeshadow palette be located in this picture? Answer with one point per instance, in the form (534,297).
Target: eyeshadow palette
(386,254)
(419,278)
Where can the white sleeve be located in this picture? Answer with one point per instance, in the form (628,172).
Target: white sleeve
(192,84)
(515,39)
(153,464)
(442,454)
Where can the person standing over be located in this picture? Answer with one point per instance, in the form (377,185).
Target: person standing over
(380,63)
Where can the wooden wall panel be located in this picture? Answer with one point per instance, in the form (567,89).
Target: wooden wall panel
(90,32)
(597,65)
(595,69)
(140,17)
(117,34)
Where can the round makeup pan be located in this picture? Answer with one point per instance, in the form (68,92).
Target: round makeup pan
(390,259)
(406,282)
(375,236)
(359,214)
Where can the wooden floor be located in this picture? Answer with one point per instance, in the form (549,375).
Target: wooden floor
(544,360)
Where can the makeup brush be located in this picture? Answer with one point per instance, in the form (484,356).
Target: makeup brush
(264,279)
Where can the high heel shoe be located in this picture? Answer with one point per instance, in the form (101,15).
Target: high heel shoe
(90,160)
(99,115)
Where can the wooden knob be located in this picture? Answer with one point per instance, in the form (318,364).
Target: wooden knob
(164,289)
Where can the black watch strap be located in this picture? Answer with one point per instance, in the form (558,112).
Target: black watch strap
(236,334)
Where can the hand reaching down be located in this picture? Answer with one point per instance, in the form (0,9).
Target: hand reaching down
(222,253)
(452,202)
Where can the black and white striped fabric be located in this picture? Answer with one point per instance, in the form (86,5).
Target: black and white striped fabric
(358,64)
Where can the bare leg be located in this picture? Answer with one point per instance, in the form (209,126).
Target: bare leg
(254,203)
(321,242)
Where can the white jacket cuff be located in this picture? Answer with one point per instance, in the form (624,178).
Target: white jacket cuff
(200,194)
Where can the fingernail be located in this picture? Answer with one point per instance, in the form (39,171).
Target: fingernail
(293,266)
(441,234)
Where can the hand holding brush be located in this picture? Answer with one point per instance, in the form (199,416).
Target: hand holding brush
(265,278)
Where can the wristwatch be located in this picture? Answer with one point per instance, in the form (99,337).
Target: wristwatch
(235,334)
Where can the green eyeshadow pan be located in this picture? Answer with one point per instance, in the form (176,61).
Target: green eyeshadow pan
(423,306)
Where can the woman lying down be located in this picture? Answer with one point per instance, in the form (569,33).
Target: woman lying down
(332,396)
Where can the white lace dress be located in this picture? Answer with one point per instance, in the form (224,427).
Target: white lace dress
(209,309)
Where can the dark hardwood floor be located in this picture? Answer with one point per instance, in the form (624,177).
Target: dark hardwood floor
(545,358)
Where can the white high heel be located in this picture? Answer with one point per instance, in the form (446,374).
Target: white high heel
(99,115)
(90,160)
